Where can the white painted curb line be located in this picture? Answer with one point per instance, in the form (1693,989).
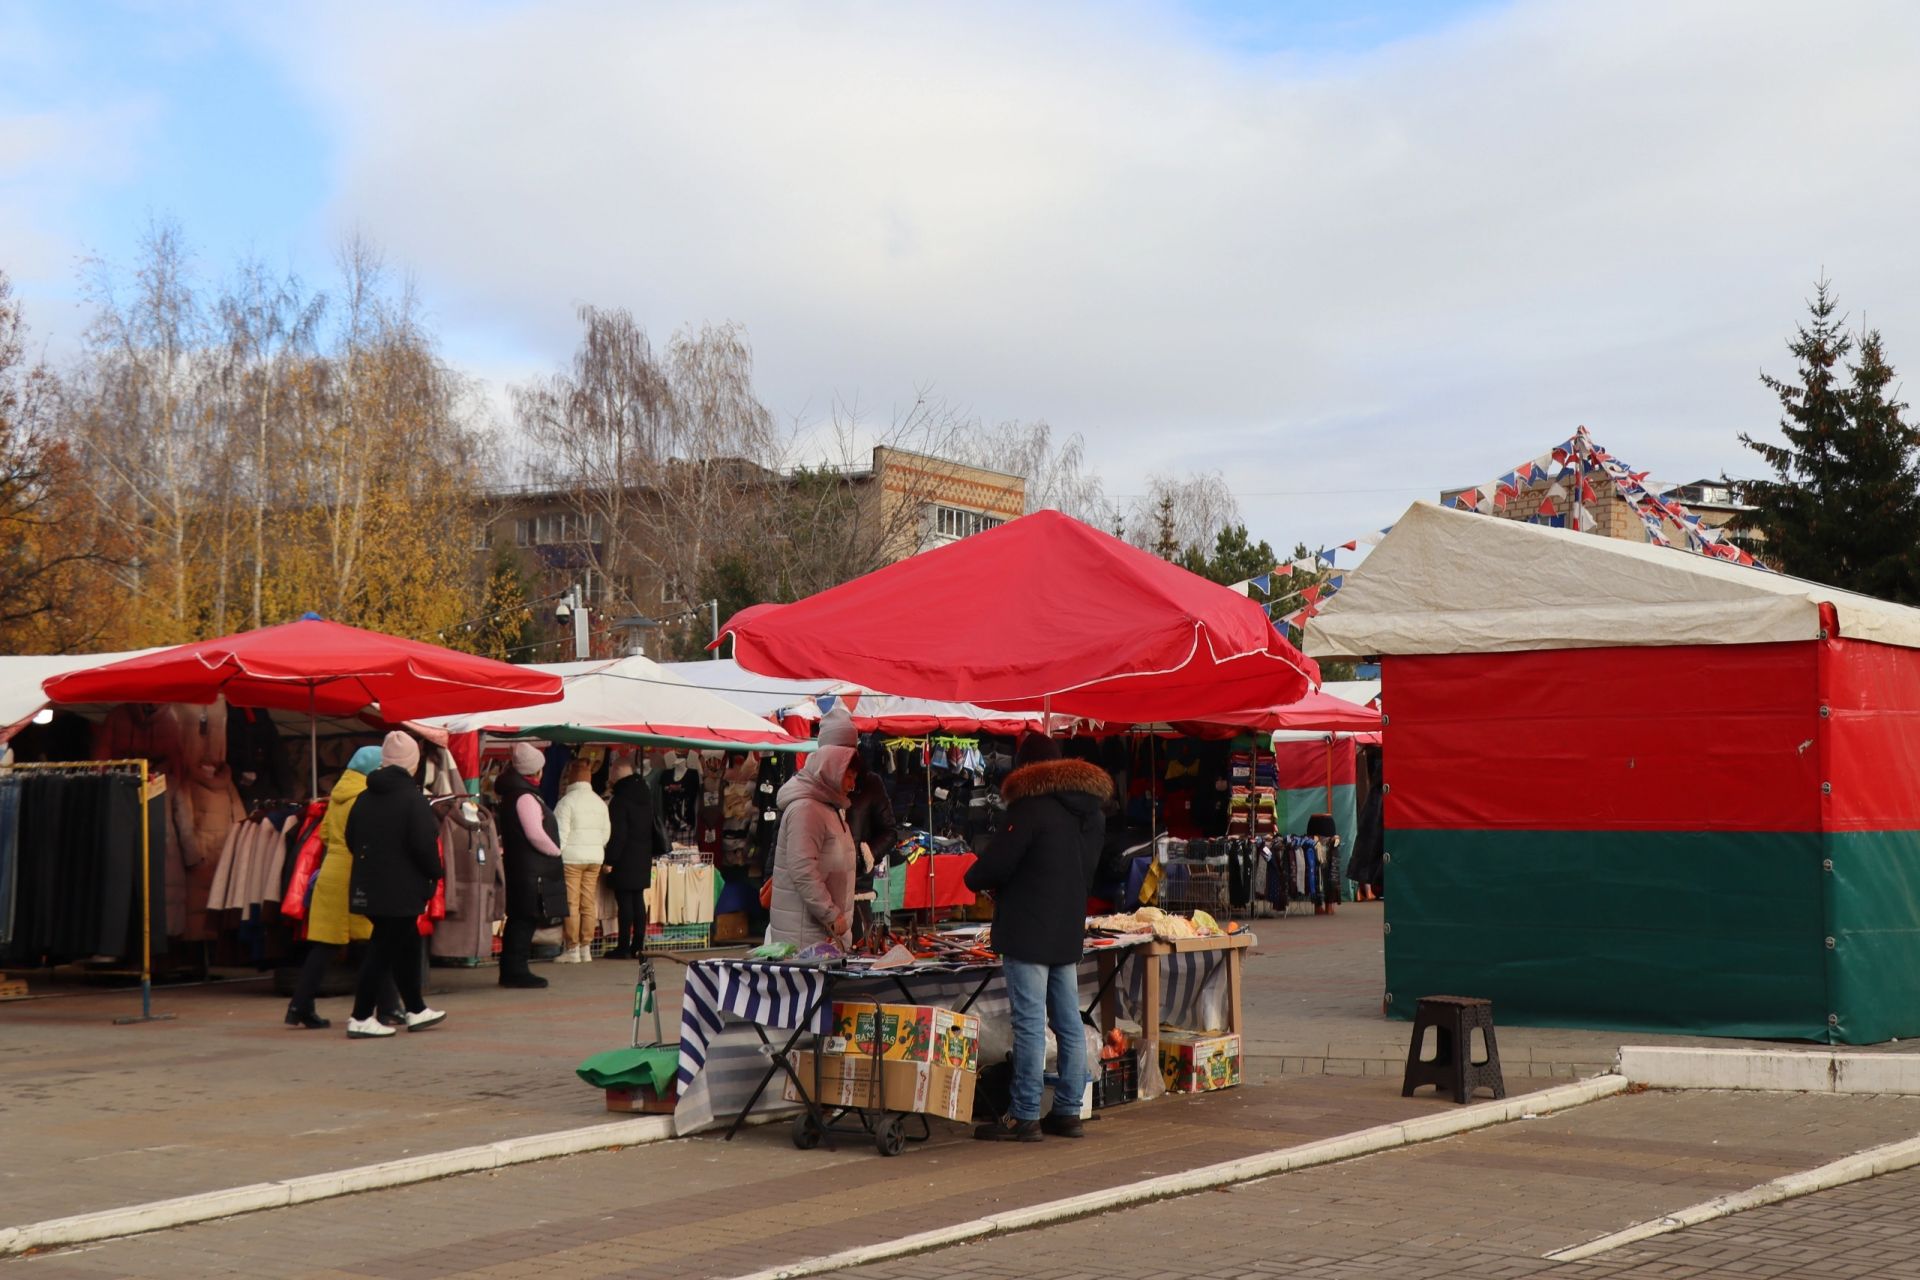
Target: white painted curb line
(1246,1169)
(1861,1165)
(205,1206)
(1788,1071)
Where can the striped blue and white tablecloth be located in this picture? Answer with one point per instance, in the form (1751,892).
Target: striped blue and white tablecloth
(722,1060)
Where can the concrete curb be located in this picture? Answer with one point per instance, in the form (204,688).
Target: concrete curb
(1247,1169)
(158,1215)
(1786,1071)
(1854,1168)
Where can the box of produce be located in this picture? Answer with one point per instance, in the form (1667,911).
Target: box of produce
(1195,1062)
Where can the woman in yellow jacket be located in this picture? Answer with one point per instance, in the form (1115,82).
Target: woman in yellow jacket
(330,925)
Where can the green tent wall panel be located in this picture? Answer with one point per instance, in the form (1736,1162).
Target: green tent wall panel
(1692,932)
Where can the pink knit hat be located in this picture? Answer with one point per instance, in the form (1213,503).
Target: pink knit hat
(400,749)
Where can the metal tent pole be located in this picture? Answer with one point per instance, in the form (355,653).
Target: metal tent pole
(146,912)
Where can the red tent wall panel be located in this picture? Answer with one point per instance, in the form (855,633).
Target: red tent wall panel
(1873,736)
(1301,766)
(1684,738)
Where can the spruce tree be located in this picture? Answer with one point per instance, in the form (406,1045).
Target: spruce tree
(1845,493)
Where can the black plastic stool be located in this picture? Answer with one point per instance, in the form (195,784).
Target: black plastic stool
(1453,1019)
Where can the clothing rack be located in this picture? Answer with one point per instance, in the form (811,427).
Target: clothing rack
(150,787)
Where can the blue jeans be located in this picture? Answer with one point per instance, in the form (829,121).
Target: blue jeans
(1041,995)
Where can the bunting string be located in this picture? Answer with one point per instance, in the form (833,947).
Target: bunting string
(1567,471)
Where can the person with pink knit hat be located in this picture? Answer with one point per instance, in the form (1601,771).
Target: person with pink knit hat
(530,856)
(395,843)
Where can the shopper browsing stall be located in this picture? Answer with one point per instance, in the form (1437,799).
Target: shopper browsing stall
(395,841)
(1039,868)
(530,847)
(870,819)
(638,837)
(584,827)
(813,856)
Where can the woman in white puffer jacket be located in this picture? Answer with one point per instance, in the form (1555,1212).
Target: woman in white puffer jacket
(585,827)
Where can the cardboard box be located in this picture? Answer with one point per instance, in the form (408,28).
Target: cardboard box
(1192,1062)
(907,1033)
(921,1087)
(642,1101)
(730,926)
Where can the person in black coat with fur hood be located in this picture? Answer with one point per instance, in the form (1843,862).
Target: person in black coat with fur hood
(1039,869)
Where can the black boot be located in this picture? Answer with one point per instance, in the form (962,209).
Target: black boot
(529,981)
(1008,1129)
(1059,1126)
(306,1019)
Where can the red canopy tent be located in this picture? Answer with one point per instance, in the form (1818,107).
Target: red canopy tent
(1042,613)
(320,667)
(1317,712)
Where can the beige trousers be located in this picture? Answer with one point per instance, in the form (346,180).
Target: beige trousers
(583,903)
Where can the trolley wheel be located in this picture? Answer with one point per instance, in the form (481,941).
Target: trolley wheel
(806,1134)
(890,1138)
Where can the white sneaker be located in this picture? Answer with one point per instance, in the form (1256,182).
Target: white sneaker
(586,955)
(367,1029)
(565,957)
(425,1018)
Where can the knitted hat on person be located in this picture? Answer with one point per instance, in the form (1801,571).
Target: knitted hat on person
(528,760)
(400,749)
(837,729)
(365,760)
(1034,748)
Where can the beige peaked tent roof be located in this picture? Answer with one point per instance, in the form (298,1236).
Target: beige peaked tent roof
(1456,582)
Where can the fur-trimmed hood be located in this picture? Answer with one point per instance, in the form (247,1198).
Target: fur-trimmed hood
(1057,778)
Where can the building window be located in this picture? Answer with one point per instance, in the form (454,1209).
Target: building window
(955,522)
(554,529)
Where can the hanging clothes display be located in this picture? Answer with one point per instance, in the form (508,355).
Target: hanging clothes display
(475,882)
(683,890)
(262,769)
(71,852)
(255,861)
(9,852)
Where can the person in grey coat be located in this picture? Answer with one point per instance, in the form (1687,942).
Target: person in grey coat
(813,856)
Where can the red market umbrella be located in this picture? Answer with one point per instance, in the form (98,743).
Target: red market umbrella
(1316,712)
(1042,613)
(314,666)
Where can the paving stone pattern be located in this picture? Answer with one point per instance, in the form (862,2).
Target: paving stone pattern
(224,1095)
(1491,1205)
(1484,1205)
(1868,1228)
(704,1207)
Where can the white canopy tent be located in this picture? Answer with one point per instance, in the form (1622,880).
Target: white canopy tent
(21,675)
(1456,582)
(764,696)
(629,700)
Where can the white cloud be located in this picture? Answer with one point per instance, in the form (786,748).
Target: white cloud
(1386,272)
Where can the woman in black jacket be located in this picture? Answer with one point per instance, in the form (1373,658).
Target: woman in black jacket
(530,857)
(396,862)
(638,838)
(1039,869)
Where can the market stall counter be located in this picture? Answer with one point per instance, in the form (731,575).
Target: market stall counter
(745,1024)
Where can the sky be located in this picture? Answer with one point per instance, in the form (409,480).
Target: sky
(1349,254)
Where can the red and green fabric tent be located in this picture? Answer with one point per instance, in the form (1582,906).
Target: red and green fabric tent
(1629,786)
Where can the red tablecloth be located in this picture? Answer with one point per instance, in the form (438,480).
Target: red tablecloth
(949,882)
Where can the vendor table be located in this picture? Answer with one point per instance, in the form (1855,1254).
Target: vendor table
(728,1061)
(1211,956)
